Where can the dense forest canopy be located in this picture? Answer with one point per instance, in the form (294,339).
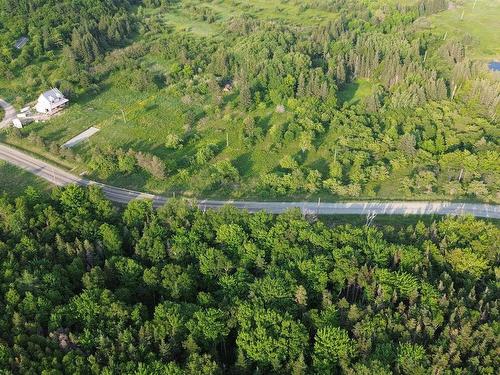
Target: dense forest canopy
(88,26)
(350,99)
(86,288)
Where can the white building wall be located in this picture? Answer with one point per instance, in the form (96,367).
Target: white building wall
(43,105)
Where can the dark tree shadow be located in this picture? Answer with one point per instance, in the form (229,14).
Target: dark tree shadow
(244,164)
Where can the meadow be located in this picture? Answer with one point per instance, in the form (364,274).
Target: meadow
(476,20)
(184,106)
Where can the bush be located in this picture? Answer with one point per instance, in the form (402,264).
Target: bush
(151,164)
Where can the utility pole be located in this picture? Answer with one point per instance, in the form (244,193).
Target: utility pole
(123,114)
(474,6)
(445,35)
(227,139)
(462,17)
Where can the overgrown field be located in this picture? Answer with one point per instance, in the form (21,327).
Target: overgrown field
(280,100)
(474,20)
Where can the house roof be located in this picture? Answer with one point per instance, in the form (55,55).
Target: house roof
(54,96)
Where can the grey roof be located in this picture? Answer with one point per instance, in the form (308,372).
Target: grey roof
(21,42)
(54,95)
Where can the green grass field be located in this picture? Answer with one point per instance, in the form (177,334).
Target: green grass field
(148,118)
(291,11)
(14,181)
(481,21)
(181,17)
(355,91)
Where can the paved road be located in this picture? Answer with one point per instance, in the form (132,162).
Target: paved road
(60,177)
(10,113)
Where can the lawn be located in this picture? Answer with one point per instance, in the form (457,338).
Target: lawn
(144,123)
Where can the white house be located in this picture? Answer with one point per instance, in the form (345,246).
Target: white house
(50,101)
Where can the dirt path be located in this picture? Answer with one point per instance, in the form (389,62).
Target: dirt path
(10,113)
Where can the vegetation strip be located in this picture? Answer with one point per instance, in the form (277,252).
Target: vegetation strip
(60,177)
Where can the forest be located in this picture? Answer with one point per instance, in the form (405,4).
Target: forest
(89,288)
(261,99)
(271,99)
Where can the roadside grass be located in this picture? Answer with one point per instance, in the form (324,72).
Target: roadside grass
(480,22)
(43,154)
(396,221)
(14,181)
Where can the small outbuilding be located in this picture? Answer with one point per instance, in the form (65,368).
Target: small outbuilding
(21,42)
(21,122)
(51,101)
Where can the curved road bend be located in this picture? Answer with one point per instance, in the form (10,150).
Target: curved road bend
(10,113)
(60,177)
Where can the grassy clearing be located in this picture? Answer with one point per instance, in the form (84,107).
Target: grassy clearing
(144,123)
(480,22)
(355,91)
(181,20)
(182,17)
(299,13)
(14,181)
